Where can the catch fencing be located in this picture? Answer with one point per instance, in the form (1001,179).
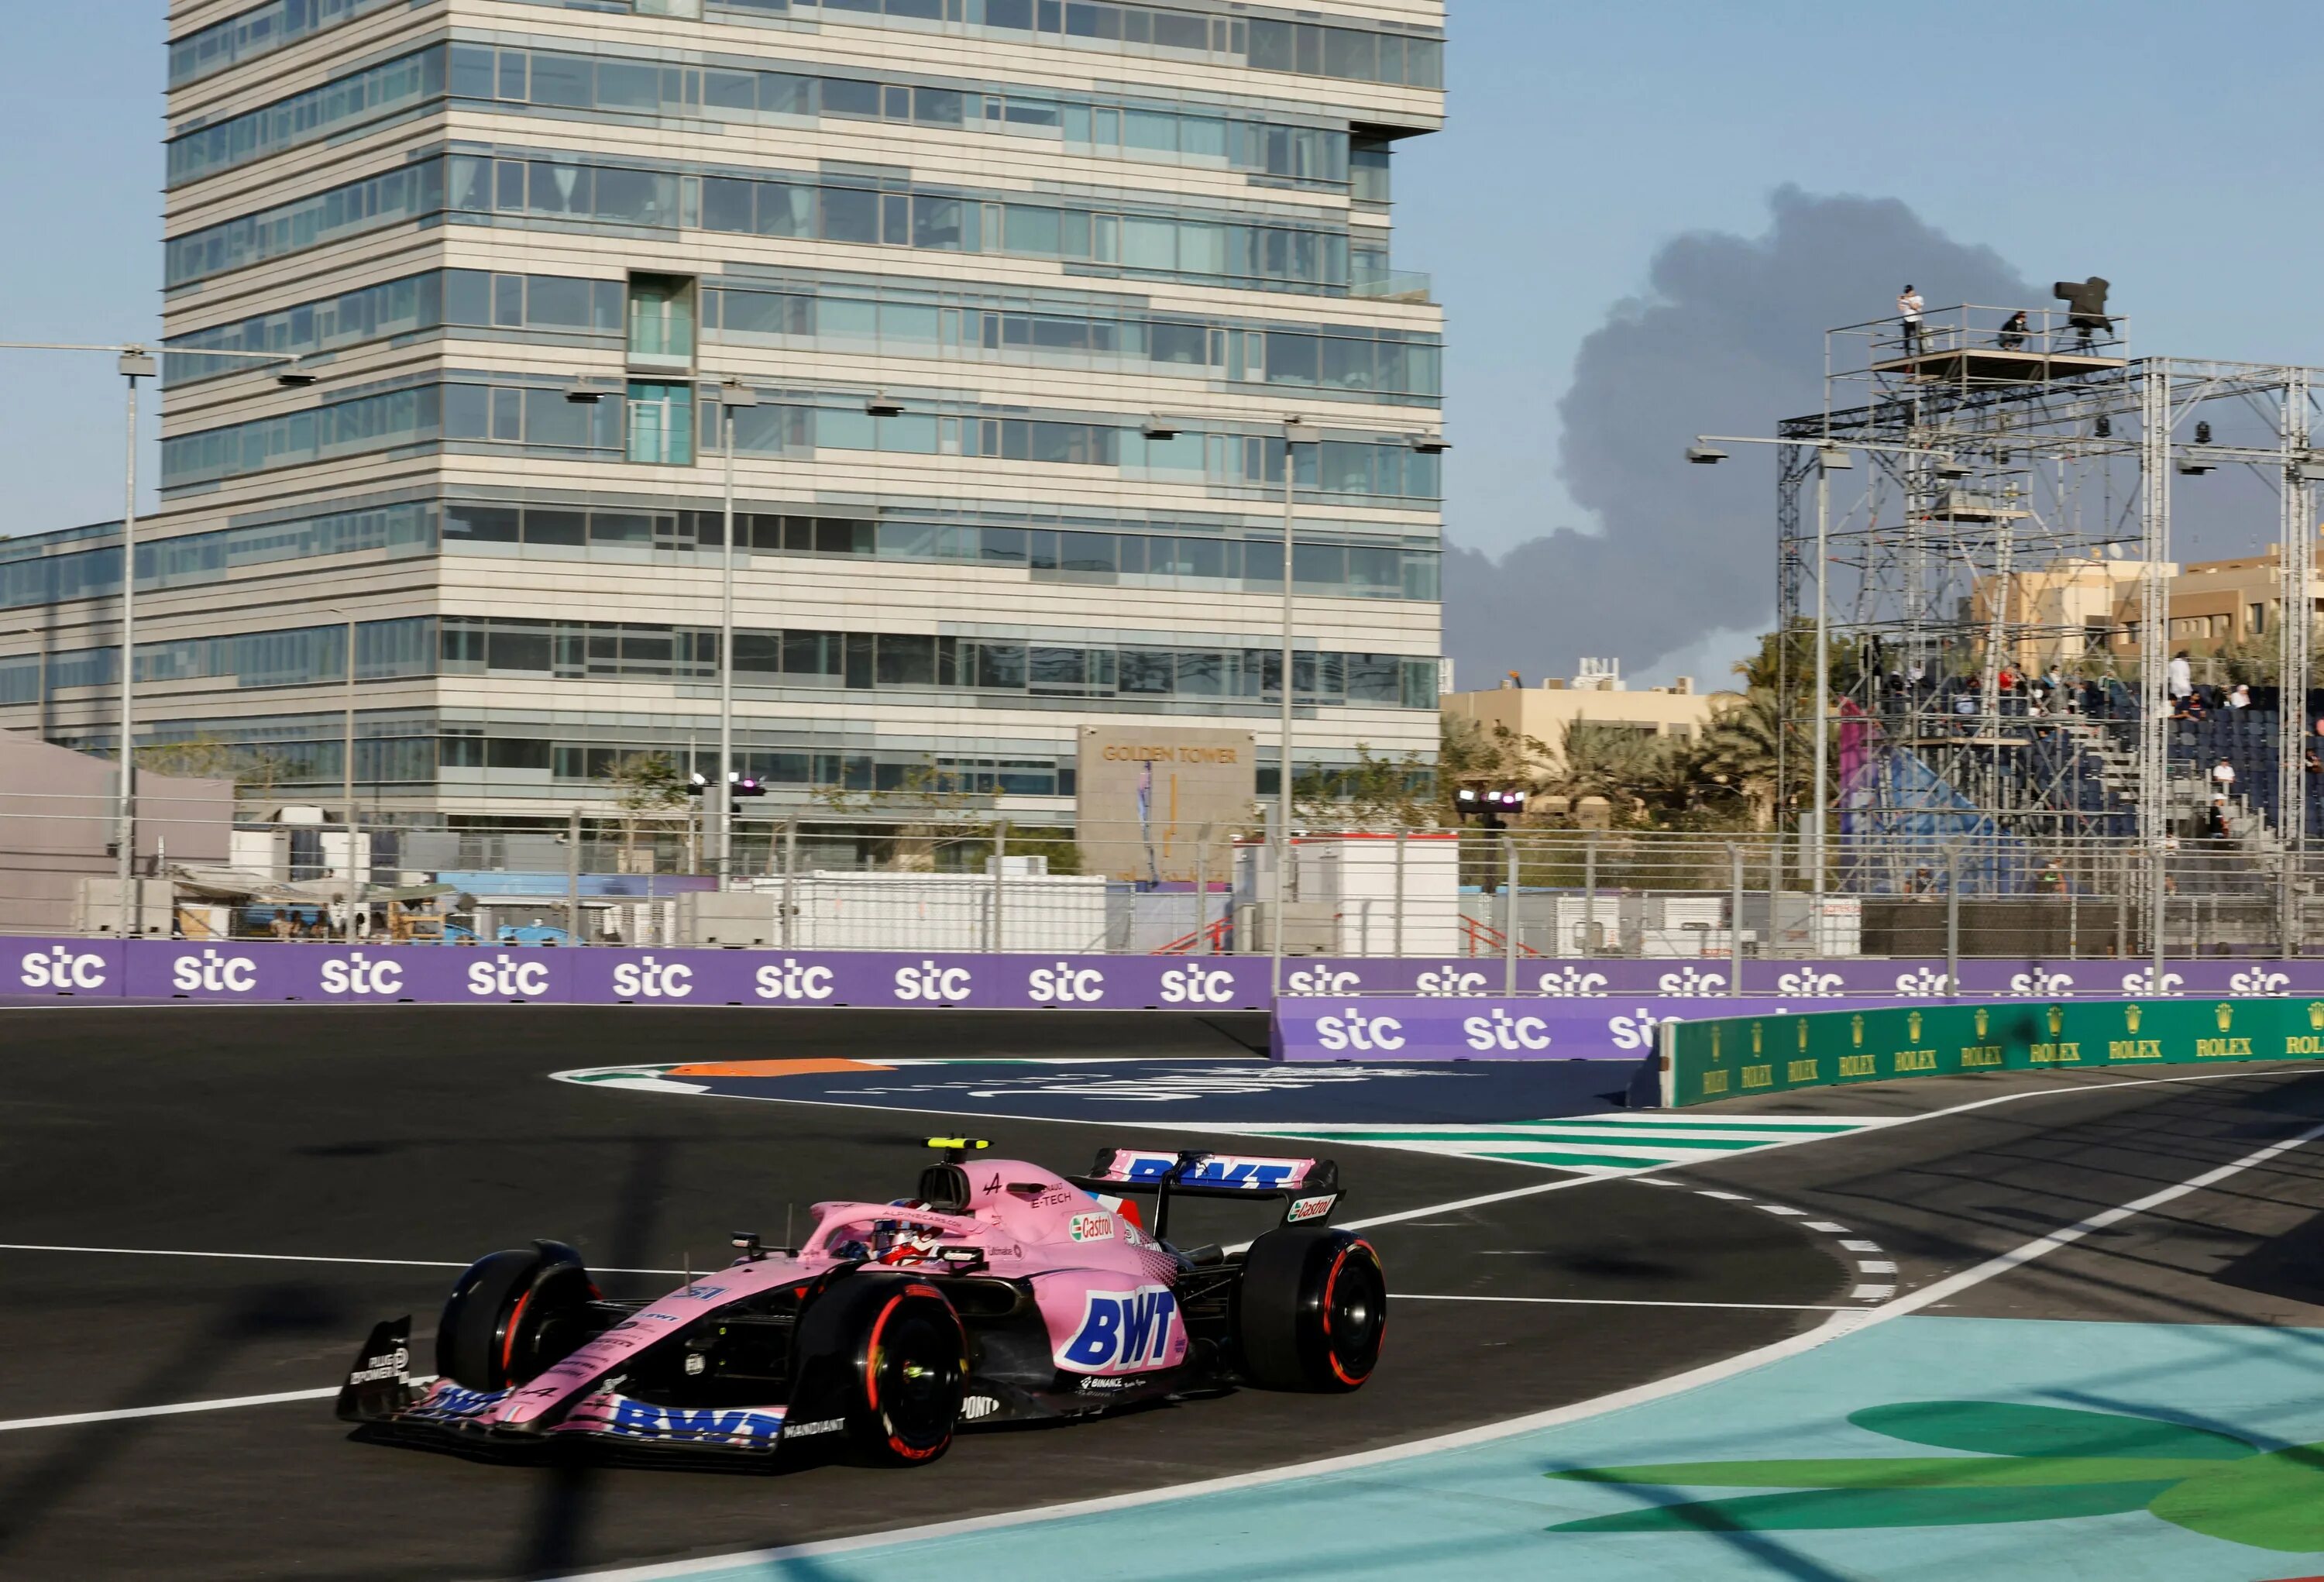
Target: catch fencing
(972,880)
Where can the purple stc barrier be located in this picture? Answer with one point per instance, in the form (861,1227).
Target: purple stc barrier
(1494,1028)
(1892,978)
(252,971)
(256,971)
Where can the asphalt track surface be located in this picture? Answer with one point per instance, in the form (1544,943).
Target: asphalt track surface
(433,1134)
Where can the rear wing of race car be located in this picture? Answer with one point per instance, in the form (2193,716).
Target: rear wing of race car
(1312,1185)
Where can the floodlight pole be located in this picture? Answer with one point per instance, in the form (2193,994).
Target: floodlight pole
(733,393)
(1291,426)
(135,364)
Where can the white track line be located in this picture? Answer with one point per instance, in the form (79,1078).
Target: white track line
(1592,1301)
(72,1418)
(1840,1324)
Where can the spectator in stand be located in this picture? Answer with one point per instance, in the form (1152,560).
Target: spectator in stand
(2215,821)
(2181,676)
(2223,778)
(2012,332)
(2240,698)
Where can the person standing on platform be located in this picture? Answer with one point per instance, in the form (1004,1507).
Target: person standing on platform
(1908,308)
(2180,677)
(2012,332)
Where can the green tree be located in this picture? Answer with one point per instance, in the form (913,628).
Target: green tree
(646,786)
(1740,753)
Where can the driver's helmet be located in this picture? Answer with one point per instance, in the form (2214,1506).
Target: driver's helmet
(903,1242)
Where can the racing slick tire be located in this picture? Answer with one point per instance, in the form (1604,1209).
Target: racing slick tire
(1311,1309)
(888,1357)
(512,1314)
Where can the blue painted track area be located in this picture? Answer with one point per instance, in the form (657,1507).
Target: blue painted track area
(1194,1092)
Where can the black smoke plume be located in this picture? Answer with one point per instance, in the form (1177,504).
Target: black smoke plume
(1727,339)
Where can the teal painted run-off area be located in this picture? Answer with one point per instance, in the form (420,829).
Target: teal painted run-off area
(1920,1448)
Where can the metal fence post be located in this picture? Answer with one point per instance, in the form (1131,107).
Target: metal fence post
(1952,922)
(1509,916)
(790,877)
(1000,867)
(1202,895)
(573,876)
(1396,927)
(1590,893)
(1734,918)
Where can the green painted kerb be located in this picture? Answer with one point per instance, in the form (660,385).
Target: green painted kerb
(1707,1061)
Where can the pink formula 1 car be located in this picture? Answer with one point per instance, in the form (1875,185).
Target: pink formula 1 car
(999,1293)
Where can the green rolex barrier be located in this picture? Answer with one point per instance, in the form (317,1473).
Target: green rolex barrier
(1707,1061)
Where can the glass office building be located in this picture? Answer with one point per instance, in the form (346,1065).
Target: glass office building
(1022,293)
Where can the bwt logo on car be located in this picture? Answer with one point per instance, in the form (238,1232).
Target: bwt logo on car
(1217,1170)
(1449,982)
(653,980)
(1065,985)
(1353,1029)
(927,981)
(1197,985)
(233,975)
(1322,980)
(638,1420)
(1121,1330)
(359,975)
(507,977)
(1498,1030)
(59,967)
(790,981)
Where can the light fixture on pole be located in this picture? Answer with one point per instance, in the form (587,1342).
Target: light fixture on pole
(1703,455)
(733,396)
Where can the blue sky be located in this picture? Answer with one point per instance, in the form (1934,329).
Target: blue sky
(2168,146)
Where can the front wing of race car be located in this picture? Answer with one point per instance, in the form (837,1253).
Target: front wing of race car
(393,1404)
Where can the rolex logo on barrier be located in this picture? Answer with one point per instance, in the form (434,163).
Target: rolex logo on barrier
(2316,1014)
(1714,1041)
(2131,1013)
(2226,1015)
(1856,1031)
(1913,1027)
(1803,1035)
(1983,1016)
(1754,1038)
(2057,1021)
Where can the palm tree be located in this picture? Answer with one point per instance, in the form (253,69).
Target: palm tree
(1741,750)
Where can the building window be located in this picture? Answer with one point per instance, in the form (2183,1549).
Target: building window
(2257,622)
(661,323)
(662,423)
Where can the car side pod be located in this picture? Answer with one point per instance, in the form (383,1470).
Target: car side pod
(1311,1309)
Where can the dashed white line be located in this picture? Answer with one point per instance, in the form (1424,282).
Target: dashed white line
(1779,1208)
(1855,1246)
(1875,1267)
(1873,1293)
(1827,1226)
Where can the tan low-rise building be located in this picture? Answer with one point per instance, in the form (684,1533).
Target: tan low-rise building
(1595,695)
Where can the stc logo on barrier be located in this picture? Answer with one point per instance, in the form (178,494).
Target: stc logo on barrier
(1197,985)
(652,980)
(1498,1030)
(57,968)
(1353,1029)
(1689,981)
(1635,1032)
(1448,982)
(1321,980)
(1808,981)
(1571,984)
(214,973)
(1065,985)
(2142,983)
(2259,981)
(507,977)
(790,981)
(359,975)
(2041,983)
(927,981)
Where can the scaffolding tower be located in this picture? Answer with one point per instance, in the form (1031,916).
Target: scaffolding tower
(2011,516)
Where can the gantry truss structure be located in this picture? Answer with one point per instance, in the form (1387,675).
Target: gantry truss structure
(1981,503)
